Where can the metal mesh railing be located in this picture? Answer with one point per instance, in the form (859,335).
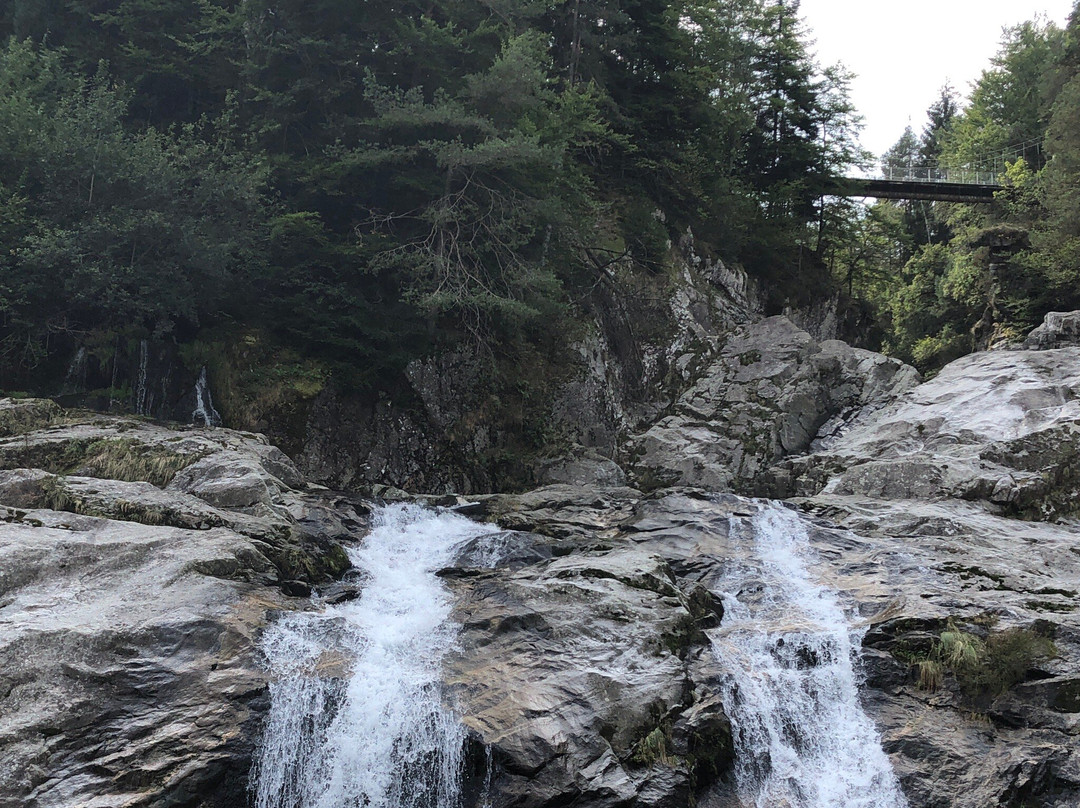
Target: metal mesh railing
(965,176)
(985,170)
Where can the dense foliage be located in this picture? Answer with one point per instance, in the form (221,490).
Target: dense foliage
(361,184)
(368,181)
(947,279)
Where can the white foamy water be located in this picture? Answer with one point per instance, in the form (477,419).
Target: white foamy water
(356,717)
(802,739)
(204,412)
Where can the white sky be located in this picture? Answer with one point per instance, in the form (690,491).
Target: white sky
(903,51)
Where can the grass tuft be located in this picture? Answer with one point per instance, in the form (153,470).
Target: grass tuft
(983,669)
(653,749)
(931,674)
(122,459)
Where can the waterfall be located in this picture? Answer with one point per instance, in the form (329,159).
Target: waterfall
(790,689)
(142,394)
(204,411)
(356,717)
(75,378)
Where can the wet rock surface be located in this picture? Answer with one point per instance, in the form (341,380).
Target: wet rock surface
(138,565)
(938,511)
(586,646)
(583,662)
(951,566)
(771,390)
(963,494)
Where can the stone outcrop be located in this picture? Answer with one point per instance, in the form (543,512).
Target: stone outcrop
(947,490)
(644,340)
(911,494)
(770,391)
(1001,428)
(585,666)
(1058,330)
(138,564)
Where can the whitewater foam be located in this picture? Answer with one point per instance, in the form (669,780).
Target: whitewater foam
(791,688)
(356,715)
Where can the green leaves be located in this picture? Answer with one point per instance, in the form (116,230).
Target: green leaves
(105,228)
(443,168)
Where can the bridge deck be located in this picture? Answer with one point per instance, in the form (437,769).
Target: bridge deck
(918,189)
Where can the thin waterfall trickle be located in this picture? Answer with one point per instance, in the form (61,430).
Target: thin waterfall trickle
(356,717)
(75,379)
(790,655)
(141,404)
(204,412)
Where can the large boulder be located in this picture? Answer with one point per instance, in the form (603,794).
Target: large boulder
(128,661)
(946,490)
(1058,330)
(138,566)
(768,394)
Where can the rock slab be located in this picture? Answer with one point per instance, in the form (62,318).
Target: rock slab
(138,566)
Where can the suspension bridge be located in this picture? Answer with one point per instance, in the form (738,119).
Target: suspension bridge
(974,182)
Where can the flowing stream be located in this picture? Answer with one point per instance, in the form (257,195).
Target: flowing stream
(204,411)
(789,651)
(356,717)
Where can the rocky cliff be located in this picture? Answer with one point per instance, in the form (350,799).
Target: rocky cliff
(589,651)
(139,564)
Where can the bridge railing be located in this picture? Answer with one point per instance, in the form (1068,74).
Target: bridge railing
(965,176)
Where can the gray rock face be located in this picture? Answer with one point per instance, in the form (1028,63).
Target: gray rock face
(926,480)
(228,479)
(127,661)
(586,648)
(938,482)
(642,345)
(583,468)
(1001,427)
(138,565)
(1058,330)
(583,663)
(949,566)
(767,395)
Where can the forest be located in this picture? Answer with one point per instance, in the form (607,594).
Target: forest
(345,186)
(938,281)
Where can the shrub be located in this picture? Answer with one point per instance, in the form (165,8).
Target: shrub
(982,668)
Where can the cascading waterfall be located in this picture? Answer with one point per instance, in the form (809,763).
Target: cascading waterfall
(791,690)
(356,718)
(204,411)
(142,393)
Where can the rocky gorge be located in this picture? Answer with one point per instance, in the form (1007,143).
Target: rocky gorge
(914,572)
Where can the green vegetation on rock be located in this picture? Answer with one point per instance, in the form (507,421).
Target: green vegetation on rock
(122,459)
(984,668)
(306,193)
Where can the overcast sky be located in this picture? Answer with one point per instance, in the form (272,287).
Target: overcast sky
(903,51)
